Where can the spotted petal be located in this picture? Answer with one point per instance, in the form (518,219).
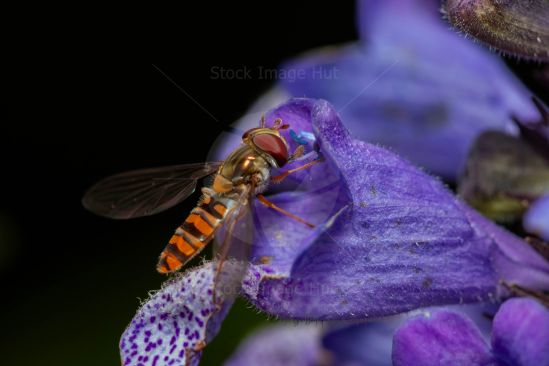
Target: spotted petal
(173,326)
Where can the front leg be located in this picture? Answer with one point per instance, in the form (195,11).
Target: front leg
(270,204)
(279,178)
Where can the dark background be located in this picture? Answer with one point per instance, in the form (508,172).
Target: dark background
(71,281)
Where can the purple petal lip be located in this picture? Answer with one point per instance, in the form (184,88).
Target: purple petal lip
(442,338)
(536,219)
(520,334)
(389,239)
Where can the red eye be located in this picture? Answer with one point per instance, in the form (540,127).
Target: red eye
(247,133)
(272,145)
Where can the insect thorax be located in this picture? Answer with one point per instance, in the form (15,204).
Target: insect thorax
(245,164)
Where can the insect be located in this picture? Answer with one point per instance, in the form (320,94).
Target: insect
(244,174)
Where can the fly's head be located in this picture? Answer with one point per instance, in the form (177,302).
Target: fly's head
(269,143)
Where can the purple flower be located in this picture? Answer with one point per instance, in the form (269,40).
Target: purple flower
(310,344)
(371,343)
(343,344)
(520,336)
(396,238)
(441,338)
(389,238)
(411,84)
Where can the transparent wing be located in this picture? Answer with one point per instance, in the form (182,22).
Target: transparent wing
(145,192)
(232,249)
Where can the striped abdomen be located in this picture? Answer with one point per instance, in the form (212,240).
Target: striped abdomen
(197,231)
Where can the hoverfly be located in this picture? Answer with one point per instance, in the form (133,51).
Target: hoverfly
(244,174)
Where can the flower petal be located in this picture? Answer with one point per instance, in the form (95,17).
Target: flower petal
(519,28)
(413,85)
(536,219)
(440,338)
(280,345)
(520,333)
(513,259)
(172,327)
(397,240)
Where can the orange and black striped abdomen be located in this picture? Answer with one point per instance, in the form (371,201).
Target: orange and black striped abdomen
(194,234)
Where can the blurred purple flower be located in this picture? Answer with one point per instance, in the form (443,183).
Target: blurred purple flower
(310,345)
(280,345)
(342,344)
(413,85)
(389,238)
(410,84)
(520,336)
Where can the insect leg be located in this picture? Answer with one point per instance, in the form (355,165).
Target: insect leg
(269,204)
(223,256)
(298,152)
(281,177)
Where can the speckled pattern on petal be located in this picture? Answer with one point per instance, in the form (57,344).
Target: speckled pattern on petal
(171,325)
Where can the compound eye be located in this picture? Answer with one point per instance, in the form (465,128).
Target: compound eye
(274,146)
